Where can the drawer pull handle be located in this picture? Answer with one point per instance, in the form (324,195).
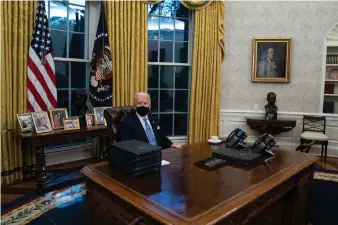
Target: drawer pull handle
(137,221)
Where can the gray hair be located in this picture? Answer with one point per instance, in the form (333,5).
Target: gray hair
(141,93)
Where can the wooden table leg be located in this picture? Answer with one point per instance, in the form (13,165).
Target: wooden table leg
(41,169)
(24,149)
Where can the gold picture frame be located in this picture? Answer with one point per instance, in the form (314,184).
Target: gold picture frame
(71,124)
(26,122)
(41,122)
(99,117)
(57,116)
(271,60)
(90,121)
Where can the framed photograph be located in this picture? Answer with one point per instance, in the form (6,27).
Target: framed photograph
(57,116)
(90,120)
(25,122)
(271,59)
(99,118)
(71,124)
(41,122)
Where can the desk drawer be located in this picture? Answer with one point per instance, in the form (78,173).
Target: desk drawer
(106,208)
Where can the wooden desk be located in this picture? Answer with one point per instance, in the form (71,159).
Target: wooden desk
(36,143)
(275,193)
(273,127)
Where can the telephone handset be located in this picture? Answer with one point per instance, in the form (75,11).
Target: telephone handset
(263,144)
(236,138)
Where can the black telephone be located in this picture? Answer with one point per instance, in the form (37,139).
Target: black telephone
(236,138)
(263,144)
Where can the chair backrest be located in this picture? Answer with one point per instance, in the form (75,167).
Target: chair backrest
(314,123)
(114,116)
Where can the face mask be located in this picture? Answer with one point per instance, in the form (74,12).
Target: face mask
(142,110)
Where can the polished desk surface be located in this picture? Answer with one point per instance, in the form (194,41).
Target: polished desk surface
(182,192)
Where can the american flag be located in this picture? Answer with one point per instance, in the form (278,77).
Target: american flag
(41,79)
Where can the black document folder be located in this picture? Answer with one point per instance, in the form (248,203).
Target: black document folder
(135,157)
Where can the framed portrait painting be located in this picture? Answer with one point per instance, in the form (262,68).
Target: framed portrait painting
(57,116)
(41,122)
(271,59)
(25,122)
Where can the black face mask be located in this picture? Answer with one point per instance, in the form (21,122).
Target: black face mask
(142,110)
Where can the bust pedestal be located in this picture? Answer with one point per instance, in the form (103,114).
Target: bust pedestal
(273,127)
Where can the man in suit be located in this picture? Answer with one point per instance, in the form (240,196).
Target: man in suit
(142,126)
(268,66)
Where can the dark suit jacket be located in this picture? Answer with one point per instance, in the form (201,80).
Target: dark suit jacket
(131,128)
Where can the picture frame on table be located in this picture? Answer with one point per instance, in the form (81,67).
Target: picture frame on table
(57,116)
(90,121)
(26,122)
(41,122)
(71,124)
(271,59)
(99,117)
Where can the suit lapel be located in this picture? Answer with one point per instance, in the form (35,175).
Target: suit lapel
(140,130)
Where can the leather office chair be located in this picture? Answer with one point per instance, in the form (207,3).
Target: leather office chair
(314,132)
(114,116)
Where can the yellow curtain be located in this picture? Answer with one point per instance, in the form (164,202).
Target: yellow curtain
(127,32)
(204,117)
(17,22)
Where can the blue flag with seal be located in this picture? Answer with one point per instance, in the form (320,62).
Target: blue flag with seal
(100,82)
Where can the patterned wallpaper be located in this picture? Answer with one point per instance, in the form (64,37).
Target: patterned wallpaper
(307,23)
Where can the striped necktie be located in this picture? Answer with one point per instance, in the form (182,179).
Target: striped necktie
(150,135)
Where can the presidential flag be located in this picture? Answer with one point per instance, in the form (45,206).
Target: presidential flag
(100,83)
(41,81)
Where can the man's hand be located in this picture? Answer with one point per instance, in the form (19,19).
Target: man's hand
(176,146)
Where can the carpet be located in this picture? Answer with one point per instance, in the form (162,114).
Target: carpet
(324,198)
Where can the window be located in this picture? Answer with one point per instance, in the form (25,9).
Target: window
(169,64)
(69,33)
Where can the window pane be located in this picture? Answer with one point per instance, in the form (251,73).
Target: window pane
(181,52)
(153,26)
(153,76)
(166,51)
(79,98)
(154,100)
(181,101)
(167,8)
(181,124)
(152,51)
(167,28)
(78,2)
(63,99)
(77,18)
(59,41)
(166,123)
(78,74)
(182,30)
(155,115)
(58,16)
(76,45)
(154,10)
(167,77)
(166,99)
(182,77)
(62,74)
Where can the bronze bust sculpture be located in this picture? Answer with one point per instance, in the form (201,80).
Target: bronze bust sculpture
(270,108)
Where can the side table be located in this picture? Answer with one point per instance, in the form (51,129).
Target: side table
(37,143)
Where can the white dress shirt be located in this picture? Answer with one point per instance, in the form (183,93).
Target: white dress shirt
(143,122)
